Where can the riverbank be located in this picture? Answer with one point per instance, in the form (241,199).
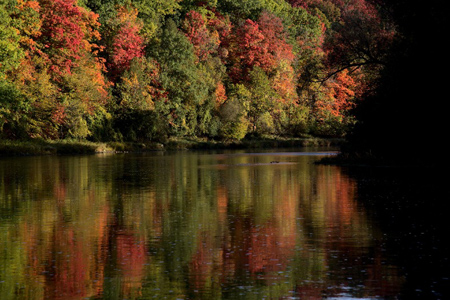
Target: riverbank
(64,147)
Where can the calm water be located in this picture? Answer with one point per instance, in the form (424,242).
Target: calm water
(230,225)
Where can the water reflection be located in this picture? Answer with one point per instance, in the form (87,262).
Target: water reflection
(187,226)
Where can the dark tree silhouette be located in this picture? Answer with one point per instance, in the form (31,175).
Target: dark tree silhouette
(405,120)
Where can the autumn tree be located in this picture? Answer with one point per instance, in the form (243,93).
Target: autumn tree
(151,14)
(127,43)
(259,44)
(57,39)
(263,60)
(281,56)
(61,34)
(21,97)
(71,33)
(336,98)
(354,41)
(247,51)
(199,32)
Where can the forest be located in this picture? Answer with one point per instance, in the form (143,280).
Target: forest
(150,70)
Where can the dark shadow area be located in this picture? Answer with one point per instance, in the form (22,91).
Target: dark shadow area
(406,120)
(410,207)
(405,123)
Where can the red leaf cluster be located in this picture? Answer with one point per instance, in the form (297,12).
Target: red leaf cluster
(259,44)
(128,44)
(62,33)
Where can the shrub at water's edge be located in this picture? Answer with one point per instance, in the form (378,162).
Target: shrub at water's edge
(25,148)
(40,147)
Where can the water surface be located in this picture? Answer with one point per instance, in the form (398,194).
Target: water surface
(190,225)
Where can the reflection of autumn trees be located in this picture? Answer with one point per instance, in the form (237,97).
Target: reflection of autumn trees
(267,239)
(188,226)
(63,223)
(341,228)
(66,269)
(131,259)
(205,262)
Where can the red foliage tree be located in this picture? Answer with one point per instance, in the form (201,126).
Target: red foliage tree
(199,35)
(259,44)
(127,43)
(62,35)
(208,33)
(275,38)
(246,51)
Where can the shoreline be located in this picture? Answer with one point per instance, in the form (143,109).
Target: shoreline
(10,148)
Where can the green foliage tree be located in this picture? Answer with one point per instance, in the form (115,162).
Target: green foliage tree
(180,78)
(10,51)
(205,30)
(138,91)
(241,10)
(13,105)
(263,100)
(46,112)
(14,109)
(153,13)
(85,100)
(233,113)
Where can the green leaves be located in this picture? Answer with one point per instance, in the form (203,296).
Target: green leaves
(14,112)
(180,78)
(10,52)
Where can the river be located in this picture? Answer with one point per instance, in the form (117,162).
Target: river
(219,225)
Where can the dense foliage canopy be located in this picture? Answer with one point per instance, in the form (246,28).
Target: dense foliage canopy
(140,70)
